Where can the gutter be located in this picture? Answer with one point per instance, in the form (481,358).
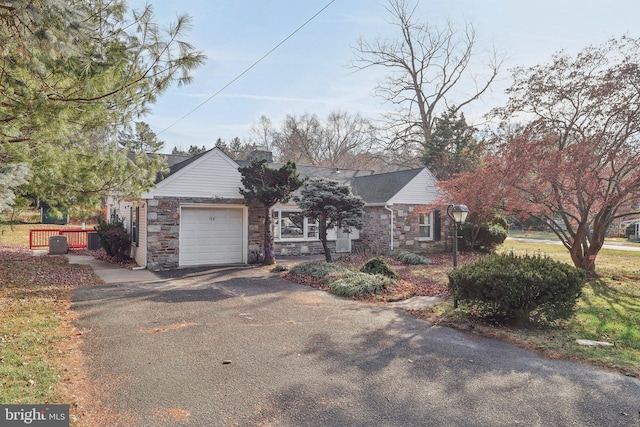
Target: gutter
(390,226)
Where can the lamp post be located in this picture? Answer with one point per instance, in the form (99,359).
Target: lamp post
(458,213)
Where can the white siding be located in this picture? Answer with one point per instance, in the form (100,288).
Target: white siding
(139,253)
(122,210)
(212,175)
(420,190)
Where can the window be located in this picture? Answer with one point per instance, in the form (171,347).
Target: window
(135,220)
(425,231)
(292,225)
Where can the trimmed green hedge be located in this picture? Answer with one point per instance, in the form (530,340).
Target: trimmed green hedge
(518,287)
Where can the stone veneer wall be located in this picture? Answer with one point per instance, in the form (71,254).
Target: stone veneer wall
(375,237)
(256,239)
(163,219)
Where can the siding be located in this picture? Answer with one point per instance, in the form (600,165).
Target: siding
(212,176)
(139,253)
(420,190)
(122,211)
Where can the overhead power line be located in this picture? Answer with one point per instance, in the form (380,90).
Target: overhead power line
(248,68)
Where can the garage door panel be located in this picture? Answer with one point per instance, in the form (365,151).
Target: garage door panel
(211,236)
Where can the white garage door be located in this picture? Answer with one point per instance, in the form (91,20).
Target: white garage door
(211,236)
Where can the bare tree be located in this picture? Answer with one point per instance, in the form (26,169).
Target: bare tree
(427,68)
(342,141)
(262,132)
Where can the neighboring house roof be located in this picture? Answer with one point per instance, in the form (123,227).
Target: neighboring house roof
(344,176)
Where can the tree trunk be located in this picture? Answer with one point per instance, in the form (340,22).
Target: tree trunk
(322,229)
(584,252)
(269,255)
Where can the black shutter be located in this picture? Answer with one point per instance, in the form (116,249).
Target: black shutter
(436,226)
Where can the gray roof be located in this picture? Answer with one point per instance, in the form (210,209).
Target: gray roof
(373,188)
(379,188)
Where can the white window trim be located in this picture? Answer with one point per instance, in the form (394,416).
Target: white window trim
(304,226)
(430,225)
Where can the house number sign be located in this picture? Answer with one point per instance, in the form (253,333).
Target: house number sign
(211,218)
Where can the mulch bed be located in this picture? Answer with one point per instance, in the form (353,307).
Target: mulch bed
(415,280)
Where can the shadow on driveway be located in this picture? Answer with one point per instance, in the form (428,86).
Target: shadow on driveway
(242,346)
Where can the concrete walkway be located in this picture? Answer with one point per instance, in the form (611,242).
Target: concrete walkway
(113,273)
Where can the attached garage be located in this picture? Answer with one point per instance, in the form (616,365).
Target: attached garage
(212,235)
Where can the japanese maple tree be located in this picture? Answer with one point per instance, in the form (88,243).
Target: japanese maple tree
(573,160)
(481,191)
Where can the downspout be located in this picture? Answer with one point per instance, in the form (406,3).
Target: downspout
(390,227)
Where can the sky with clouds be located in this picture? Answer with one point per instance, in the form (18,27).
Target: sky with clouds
(311,73)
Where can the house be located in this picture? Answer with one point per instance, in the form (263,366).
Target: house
(195,215)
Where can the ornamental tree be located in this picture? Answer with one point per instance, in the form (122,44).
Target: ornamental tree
(332,205)
(269,186)
(575,156)
(481,191)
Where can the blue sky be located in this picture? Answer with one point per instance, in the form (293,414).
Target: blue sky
(310,72)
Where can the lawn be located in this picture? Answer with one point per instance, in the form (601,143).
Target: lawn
(18,234)
(38,355)
(609,309)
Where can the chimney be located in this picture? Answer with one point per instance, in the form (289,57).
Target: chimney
(261,152)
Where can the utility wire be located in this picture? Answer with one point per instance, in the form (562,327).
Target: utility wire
(247,69)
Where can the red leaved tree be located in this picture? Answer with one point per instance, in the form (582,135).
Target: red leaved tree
(574,160)
(481,191)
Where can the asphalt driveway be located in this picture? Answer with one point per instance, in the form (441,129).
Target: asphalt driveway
(241,346)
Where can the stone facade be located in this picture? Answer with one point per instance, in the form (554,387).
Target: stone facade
(163,228)
(292,248)
(375,237)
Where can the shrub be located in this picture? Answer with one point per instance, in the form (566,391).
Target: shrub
(114,239)
(359,284)
(378,266)
(410,258)
(519,288)
(630,231)
(318,270)
(489,237)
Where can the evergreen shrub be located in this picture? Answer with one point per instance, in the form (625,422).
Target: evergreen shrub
(318,270)
(409,258)
(114,239)
(379,266)
(489,237)
(359,284)
(518,287)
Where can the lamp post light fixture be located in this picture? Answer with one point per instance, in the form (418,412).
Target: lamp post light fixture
(458,213)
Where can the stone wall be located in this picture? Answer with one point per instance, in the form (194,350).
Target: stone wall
(375,237)
(163,219)
(256,239)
